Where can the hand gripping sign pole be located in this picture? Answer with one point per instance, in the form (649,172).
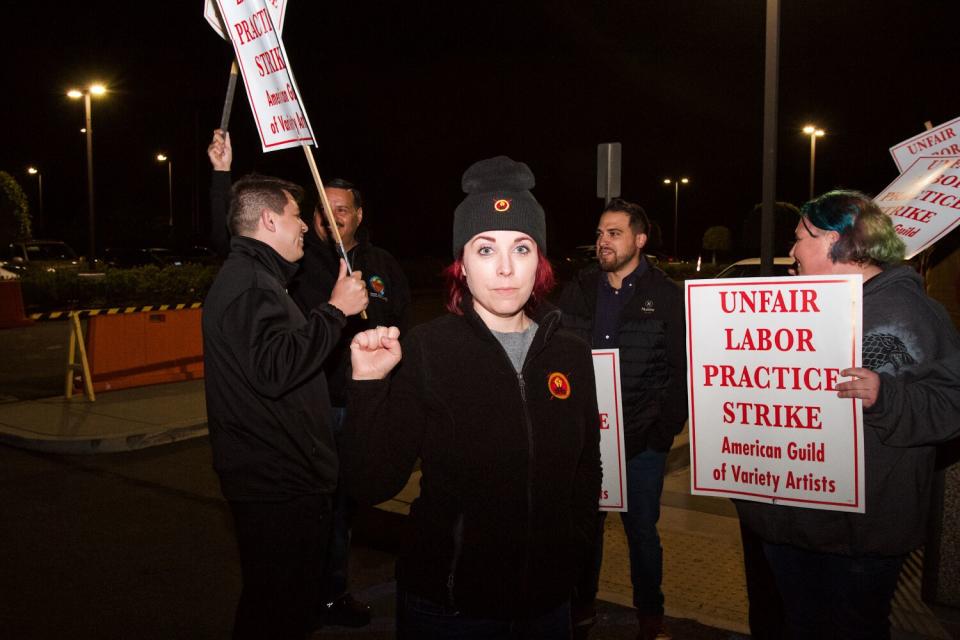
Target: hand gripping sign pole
(328,212)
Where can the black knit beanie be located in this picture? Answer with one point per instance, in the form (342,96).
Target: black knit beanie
(498,199)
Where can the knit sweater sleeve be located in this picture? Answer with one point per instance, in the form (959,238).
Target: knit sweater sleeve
(920,407)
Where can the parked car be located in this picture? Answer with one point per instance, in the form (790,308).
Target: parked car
(750,268)
(47,255)
(199,254)
(127,258)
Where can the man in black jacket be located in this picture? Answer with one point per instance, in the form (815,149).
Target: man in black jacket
(267,408)
(629,304)
(389,301)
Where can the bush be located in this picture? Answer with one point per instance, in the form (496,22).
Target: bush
(61,290)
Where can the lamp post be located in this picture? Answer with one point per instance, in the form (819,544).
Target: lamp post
(36,172)
(76,94)
(163,158)
(814,132)
(676,209)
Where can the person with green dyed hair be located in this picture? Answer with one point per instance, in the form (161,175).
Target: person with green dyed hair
(835,571)
(865,235)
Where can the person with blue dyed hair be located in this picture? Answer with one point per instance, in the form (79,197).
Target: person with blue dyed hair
(835,571)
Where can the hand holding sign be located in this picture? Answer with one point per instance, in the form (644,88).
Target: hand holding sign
(865,385)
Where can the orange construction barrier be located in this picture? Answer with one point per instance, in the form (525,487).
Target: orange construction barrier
(150,347)
(11,305)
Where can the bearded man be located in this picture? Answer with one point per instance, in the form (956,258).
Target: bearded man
(626,302)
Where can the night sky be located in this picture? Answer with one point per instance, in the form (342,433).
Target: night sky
(404,96)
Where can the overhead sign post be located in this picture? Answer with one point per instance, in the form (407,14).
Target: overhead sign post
(271,89)
(943,140)
(606,368)
(924,201)
(764,359)
(608,170)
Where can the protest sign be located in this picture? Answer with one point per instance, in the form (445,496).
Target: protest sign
(939,141)
(277,9)
(924,201)
(606,368)
(272,91)
(764,357)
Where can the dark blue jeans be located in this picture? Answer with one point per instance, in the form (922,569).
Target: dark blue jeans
(833,596)
(644,487)
(421,619)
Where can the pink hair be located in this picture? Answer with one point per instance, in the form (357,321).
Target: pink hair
(456,284)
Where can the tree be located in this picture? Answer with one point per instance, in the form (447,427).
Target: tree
(716,239)
(14,210)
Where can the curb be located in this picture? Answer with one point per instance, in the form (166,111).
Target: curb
(114,444)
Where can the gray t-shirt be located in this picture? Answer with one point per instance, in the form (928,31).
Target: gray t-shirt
(517,344)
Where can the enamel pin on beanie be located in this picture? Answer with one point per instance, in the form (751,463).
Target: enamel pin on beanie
(498,199)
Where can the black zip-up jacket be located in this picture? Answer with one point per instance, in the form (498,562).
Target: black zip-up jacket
(511,472)
(387,291)
(267,403)
(311,285)
(652,353)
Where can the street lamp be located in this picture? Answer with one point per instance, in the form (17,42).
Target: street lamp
(162,158)
(76,94)
(676,208)
(814,132)
(36,172)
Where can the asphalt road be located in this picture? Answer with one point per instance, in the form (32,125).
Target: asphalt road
(132,545)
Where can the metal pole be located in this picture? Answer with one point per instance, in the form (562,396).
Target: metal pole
(813,160)
(91,248)
(170,189)
(770,88)
(40,199)
(676,225)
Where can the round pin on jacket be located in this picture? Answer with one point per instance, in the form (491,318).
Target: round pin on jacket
(558,385)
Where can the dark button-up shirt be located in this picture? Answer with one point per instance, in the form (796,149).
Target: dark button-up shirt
(610,302)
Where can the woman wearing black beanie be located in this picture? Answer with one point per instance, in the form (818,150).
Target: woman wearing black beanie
(499,404)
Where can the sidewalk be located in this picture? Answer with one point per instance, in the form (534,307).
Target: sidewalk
(121,420)
(703,565)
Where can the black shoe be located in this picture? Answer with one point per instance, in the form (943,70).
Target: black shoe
(346,611)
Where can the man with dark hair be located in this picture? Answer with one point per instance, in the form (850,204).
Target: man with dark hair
(267,411)
(389,300)
(627,303)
